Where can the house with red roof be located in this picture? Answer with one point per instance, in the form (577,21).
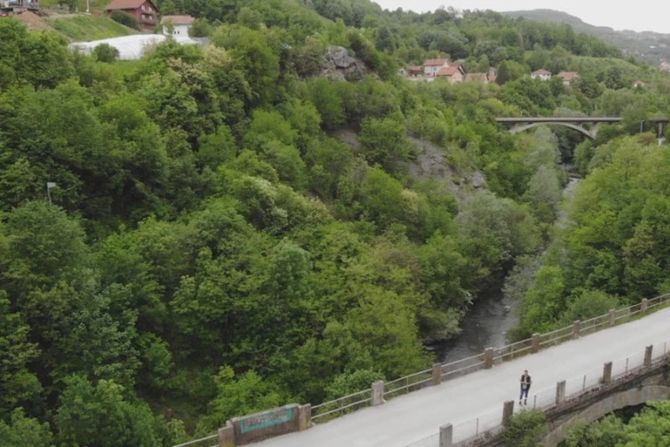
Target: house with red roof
(568,77)
(453,74)
(145,11)
(432,66)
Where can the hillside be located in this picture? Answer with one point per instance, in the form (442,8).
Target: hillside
(649,46)
(283,216)
(81,27)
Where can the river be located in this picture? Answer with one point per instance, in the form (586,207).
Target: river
(492,316)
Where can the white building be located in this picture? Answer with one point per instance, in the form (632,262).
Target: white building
(180,25)
(541,74)
(432,66)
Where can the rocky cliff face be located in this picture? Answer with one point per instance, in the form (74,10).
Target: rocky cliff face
(338,65)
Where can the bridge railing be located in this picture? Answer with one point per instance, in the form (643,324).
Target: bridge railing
(207,441)
(404,385)
(490,423)
(450,370)
(342,405)
(461,367)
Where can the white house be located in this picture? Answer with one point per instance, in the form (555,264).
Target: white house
(432,66)
(541,74)
(181,25)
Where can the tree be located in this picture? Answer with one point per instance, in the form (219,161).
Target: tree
(106,53)
(544,194)
(99,414)
(239,396)
(125,19)
(22,431)
(44,246)
(384,142)
(18,385)
(525,429)
(254,56)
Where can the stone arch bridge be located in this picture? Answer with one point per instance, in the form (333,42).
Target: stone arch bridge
(577,123)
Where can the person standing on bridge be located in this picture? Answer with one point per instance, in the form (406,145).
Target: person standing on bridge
(525,386)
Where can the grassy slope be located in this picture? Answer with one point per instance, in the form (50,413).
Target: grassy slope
(80,4)
(84,27)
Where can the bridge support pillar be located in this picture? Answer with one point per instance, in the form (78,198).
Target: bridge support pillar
(304,417)
(560,392)
(535,343)
(437,374)
(488,358)
(508,411)
(576,328)
(607,373)
(377,393)
(227,435)
(644,305)
(612,317)
(446,435)
(647,356)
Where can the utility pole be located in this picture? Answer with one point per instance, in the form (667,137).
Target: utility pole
(49,186)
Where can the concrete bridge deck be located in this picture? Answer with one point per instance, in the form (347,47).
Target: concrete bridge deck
(418,415)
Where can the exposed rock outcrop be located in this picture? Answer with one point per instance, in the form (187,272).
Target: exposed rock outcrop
(338,65)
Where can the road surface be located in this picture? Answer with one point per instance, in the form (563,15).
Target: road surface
(408,419)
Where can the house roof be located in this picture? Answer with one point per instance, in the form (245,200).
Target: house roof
(568,75)
(541,71)
(177,20)
(450,71)
(435,62)
(127,4)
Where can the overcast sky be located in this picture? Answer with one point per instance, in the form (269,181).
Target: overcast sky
(638,15)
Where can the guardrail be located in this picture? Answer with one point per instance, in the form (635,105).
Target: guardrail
(207,441)
(492,356)
(602,379)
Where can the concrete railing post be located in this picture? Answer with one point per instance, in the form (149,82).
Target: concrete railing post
(647,356)
(377,393)
(560,392)
(304,417)
(488,358)
(607,373)
(446,435)
(508,411)
(576,327)
(227,435)
(644,305)
(535,343)
(437,374)
(612,317)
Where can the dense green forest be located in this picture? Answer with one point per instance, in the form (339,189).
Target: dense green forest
(234,227)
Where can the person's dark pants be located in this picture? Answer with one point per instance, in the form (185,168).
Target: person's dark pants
(524,392)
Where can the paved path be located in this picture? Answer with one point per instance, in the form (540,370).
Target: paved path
(418,415)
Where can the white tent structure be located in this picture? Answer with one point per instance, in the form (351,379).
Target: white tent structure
(131,47)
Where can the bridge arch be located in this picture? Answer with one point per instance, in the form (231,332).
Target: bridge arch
(631,397)
(523,127)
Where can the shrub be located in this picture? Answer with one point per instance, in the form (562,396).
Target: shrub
(525,429)
(125,19)
(105,53)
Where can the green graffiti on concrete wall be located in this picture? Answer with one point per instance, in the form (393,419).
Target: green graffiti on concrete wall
(266,420)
